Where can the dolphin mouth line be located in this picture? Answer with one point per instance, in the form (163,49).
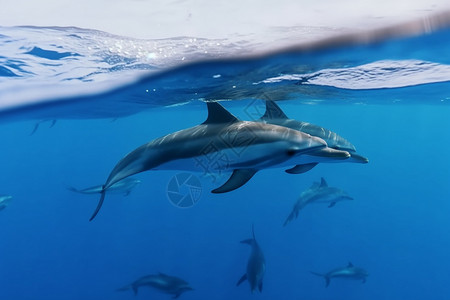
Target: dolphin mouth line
(311,149)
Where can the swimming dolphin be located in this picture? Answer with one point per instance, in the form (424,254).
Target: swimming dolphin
(124,186)
(162,282)
(274,115)
(4,201)
(317,193)
(348,272)
(220,144)
(256,265)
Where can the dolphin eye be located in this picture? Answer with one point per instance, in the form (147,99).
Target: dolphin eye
(291,152)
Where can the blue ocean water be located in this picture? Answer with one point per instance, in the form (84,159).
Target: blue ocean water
(388,97)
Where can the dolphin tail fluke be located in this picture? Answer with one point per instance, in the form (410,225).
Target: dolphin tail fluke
(99,205)
(327,279)
(243,278)
(236,180)
(291,217)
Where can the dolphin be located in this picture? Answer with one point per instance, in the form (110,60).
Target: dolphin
(4,201)
(36,126)
(124,186)
(256,265)
(275,115)
(162,282)
(222,143)
(348,272)
(317,193)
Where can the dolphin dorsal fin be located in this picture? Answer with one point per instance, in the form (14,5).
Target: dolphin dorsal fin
(323,183)
(350,265)
(273,111)
(217,114)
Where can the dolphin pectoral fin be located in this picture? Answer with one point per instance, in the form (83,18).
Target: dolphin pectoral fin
(260,286)
(99,205)
(236,180)
(299,169)
(176,295)
(364,280)
(135,289)
(243,278)
(35,128)
(332,204)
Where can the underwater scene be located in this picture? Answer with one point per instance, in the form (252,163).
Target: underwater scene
(187,168)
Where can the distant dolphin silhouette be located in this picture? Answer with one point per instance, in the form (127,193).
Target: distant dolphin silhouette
(256,265)
(348,272)
(36,126)
(275,115)
(4,201)
(124,186)
(162,282)
(317,193)
(242,147)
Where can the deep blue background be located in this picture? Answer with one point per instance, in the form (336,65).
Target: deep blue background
(397,227)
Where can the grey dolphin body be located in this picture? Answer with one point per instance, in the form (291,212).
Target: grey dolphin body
(162,282)
(348,272)
(274,115)
(256,265)
(124,186)
(317,193)
(220,144)
(4,201)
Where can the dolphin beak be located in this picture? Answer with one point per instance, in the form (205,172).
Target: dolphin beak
(330,152)
(359,158)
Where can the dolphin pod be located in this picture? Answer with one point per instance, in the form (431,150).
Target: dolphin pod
(317,193)
(274,141)
(347,272)
(162,282)
(260,146)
